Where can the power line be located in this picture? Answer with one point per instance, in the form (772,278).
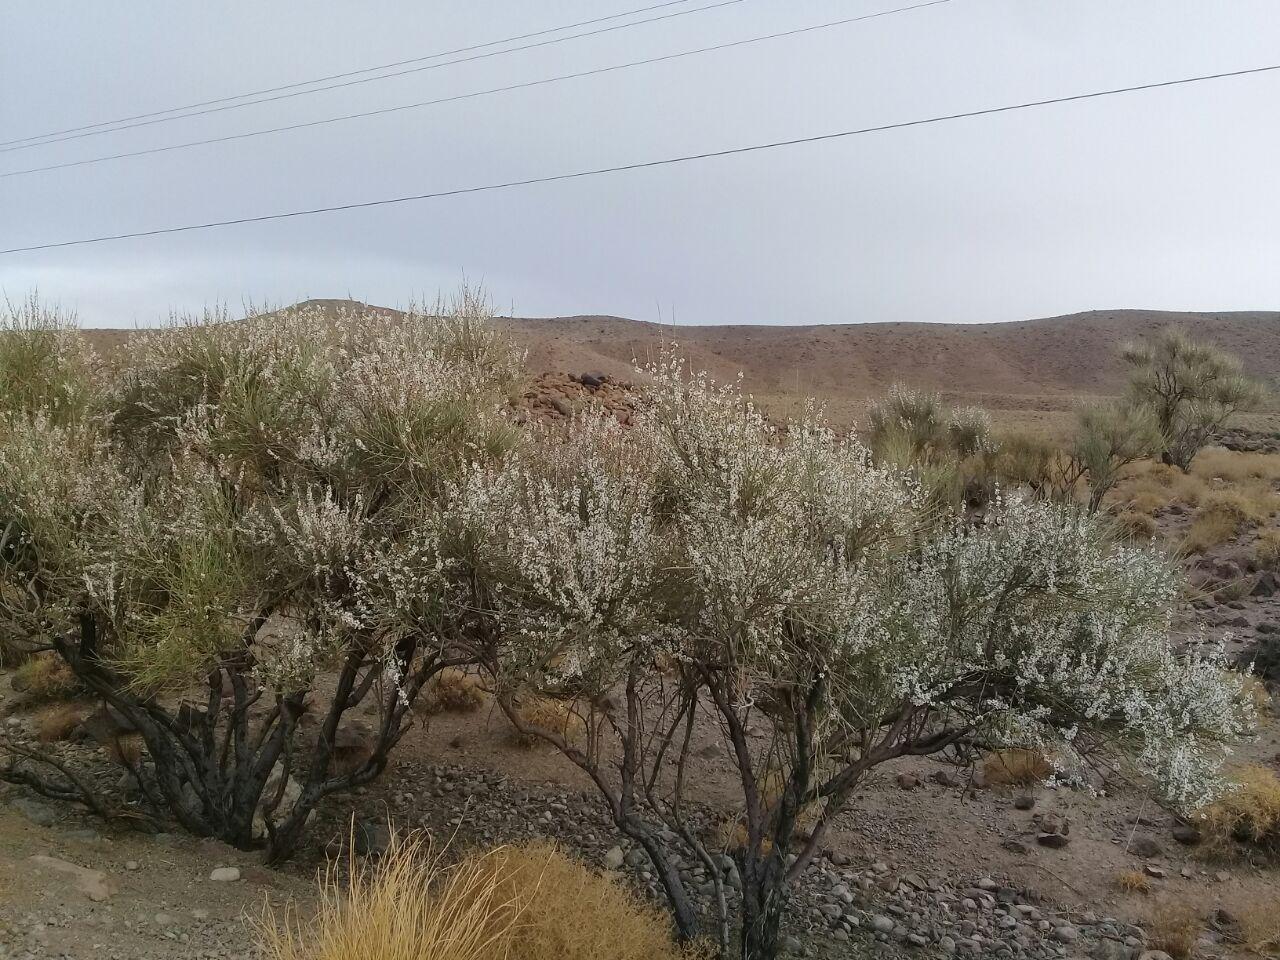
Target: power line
(647,164)
(613,68)
(386,76)
(349,73)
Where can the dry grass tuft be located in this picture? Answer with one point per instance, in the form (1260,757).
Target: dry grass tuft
(46,676)
(1174,927)
(1133,881)
(1209,530)
(555,716)
(1016,767)
(513,903)
(1248,813)
(1135,525)
(1266,550)
(452,691)
(1258,917)
(407,907)
(1151,486)
(58,721)
(1236,466)
(566,911)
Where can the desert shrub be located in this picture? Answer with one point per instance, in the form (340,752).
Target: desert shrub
(1246,816)
(1258,919)
(1132,881)
(1266,550)
(1136,525)
(255,505)
(969,431)
(46,676)
(57,722)
(1017,767)
(808,591)
(1191,389)
(1109,437)
(566,911)
(45,365)
(913,420)
(514,903)
(555,716)
(1236,466)
(453,691)
(1174,926)
(1210,528)
(408,904)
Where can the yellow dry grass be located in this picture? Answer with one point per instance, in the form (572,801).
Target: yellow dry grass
(513,903)
(554,716)
(1266,549)
(46,676)
(1149,486)
(1258,917)
(1016,767)
(566,911)
(452,691)
(1210,529)
(1174,927)
(409,906)
(57,722)
(1133,881)
(1236,466)
(1247,813)
(1135,524)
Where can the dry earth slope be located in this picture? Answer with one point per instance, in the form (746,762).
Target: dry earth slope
(1033,370)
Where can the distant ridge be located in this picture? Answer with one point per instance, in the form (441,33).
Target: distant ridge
(1028,367)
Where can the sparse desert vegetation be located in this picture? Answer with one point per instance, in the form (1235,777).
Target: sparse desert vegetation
(257,569)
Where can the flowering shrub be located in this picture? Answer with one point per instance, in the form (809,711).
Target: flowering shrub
(252,507)
(799,585)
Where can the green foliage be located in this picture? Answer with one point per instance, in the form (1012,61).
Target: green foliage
(1109,437)
(45,365)
(1190,388)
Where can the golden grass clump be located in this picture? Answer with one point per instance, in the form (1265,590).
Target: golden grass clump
(409,906)
(1209,529)
(1132,881)
(1236,466)
(46,676)
(452,691)
(1174,927)
(1266,550)
(1135,525)
(1016,767)
(567,911)
(1150,486)
(1258,917)
(554,716)
(1247,813)
(58,722)
(513,903)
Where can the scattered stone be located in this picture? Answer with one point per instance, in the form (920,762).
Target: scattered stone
(1186,834)
(1024,802)
(1054,841)
(613,859)
(1066,933)
(225,875)
(131,865)
(1151,870)
(908,781)
(1144,847)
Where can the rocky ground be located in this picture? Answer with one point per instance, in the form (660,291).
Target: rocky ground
(929,861)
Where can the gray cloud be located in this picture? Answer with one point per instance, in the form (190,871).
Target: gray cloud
(1163,200)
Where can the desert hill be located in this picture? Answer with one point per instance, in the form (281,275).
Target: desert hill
(1033,370)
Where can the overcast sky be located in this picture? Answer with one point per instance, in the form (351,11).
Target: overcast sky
(1168,199)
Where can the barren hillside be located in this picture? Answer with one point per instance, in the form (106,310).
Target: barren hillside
(1034,370)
